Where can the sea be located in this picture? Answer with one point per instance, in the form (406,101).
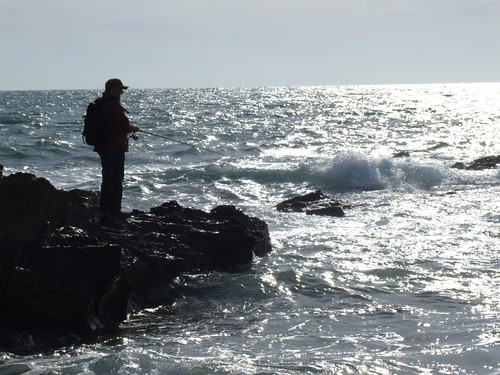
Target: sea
(408,282)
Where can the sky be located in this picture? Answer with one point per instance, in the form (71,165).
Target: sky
(79,44)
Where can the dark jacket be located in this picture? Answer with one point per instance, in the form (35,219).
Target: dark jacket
(118,123)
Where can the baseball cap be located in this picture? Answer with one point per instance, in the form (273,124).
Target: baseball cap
(114,82)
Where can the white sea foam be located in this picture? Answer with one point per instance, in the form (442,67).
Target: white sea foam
(354,170)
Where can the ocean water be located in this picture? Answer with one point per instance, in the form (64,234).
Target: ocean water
(408,282)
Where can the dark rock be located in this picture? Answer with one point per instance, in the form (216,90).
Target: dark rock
(31,208)
(59,288)
(401,154)
(335,211)
(62,270)
(447,193)
(315,203)
(487,162)
(300,203)
(458,165)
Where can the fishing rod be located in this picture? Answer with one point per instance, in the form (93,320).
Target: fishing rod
(184,143)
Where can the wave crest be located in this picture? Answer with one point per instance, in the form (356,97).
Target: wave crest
(354,170)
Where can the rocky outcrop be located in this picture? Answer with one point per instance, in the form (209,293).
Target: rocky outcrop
(62,270)
(315,203)
(487,162)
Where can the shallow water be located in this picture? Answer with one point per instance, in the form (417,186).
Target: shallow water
(407,282)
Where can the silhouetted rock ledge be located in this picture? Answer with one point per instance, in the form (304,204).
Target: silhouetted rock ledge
(315,203)
(486,162)
(61,270)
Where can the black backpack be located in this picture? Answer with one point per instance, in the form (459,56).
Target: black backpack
(95,132)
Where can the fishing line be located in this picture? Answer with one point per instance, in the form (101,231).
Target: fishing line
(184,143)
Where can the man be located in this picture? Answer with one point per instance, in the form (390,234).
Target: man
(113,154)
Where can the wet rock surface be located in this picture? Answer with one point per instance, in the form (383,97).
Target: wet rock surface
(315,203)
(62,270)
(486,162)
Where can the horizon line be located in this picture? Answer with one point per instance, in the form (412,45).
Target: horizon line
(263,86)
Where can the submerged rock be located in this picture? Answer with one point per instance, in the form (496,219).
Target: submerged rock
(401,154)
(315,203)
(487,162)
(62,270)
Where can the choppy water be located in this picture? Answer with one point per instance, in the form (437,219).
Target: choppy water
(407,283)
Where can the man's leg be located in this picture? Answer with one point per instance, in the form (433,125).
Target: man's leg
(104,200)
(116,176)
